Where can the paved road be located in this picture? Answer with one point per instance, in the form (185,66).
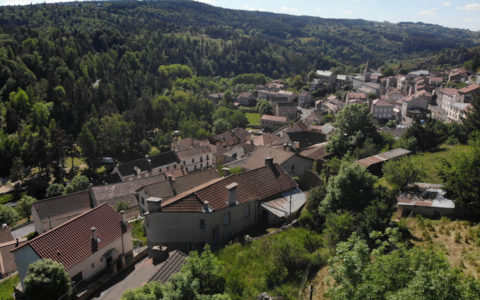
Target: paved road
(23,231)
(143,271)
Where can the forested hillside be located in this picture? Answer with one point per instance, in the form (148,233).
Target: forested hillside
(96,73)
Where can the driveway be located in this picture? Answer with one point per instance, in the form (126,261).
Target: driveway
(132,278)
(23,231)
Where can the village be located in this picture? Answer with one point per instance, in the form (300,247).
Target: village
(233,184)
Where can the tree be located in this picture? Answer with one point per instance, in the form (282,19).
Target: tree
(427,137)
(472,121)
(122,205)
(395,271)
(47,279)
(401,172)
(150,290)
(354,126)
(8,215)
(351,189)
(54,190)
(338,227)
(220,126)
(461,178)
(24,206)
(264,107)
(78,183)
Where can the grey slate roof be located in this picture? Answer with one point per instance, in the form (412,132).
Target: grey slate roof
(172,265)
(127,168)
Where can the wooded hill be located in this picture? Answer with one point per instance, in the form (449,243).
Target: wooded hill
(95,73)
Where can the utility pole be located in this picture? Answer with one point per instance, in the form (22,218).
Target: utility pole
(311,291)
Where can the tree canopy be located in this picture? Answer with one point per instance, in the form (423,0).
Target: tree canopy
(47,279)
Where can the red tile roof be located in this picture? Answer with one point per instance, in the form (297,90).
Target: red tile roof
(262,183)
(274,118)
(379,102)
(268,139)
(449,91)
(70,243)
(469,89)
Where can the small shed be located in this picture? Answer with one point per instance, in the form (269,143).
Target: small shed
(375,163)
(426,199)
(282,208)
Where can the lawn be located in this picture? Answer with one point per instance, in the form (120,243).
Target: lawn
(6,287)
(253,118)
(138,233)
(430,162)
(275,263)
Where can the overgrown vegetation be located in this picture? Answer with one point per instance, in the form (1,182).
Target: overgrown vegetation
(6,287)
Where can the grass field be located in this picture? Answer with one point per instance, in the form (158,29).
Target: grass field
(6,288)
(458,240)
(430,162)
(253,118)
(248,266)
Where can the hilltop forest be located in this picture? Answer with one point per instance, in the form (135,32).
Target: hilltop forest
(115,77)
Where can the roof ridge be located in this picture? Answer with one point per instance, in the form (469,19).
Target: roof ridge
(57,197)
(61,225)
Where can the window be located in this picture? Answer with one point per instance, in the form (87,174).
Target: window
(202,224)
(174,166)
(193,160)
(208,158)
(168,168)
(184,162)
(226,219)
(246,211)
(201,158)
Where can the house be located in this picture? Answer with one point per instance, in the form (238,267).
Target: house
(344,81)
(271,123)
(382,110)
(427,199)
(315,152)
(215,212)
(245,99)
(187,143)
(147,166)
(375,163)
(7,243)
(275,97)
(327,77)
(418,73)
(447,96)
(195,158)
(275,86)
(172,187)
(305,99)
(50,213)
(304,139)
(294,164)
(435,81)
(215,98)
(456,112)
(231,137)
(315,118)
(468,93)
(356,96)
(457,75)
(286,109)
(370,88)
(298,127)
(97,241)
(415,106)
(268,139)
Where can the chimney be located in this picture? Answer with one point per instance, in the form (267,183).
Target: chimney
(154,204)
(206,207)
(149,162)
(123,223)
(4,226)
(285,146)
(137,170)
(226,171)
(296,145)
(171,180)
(94,239)
(16,242)
(232,193)
(269,161)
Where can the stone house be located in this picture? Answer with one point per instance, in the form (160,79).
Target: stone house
(381,110)
(195,158)
(305,99)
(215,212)
(271,123)
(152,166)
(286,109)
